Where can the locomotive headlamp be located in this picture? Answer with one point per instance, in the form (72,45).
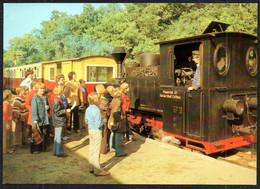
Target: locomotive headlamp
(252,103)
(233,106)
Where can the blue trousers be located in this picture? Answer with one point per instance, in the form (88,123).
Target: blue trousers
(58,143)
(111,142)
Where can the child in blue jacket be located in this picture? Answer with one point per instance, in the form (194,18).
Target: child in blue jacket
(95,125)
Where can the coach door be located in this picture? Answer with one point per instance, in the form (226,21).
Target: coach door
(66,68)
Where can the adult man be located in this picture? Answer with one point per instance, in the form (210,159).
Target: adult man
(196,79)
(28,79)
(74,94)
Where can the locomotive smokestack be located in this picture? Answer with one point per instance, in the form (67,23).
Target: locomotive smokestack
(119,54)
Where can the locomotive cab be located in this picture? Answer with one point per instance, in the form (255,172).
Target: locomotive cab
(215,117)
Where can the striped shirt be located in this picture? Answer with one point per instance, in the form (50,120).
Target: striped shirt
(19,109)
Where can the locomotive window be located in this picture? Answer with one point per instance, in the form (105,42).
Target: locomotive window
(221,60)
(51,73)
(251,61)
(99,73)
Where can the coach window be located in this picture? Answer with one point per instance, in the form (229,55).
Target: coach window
(51,73)
(251,61)
(37,73)
(99,73)
(221,60)
(34,72)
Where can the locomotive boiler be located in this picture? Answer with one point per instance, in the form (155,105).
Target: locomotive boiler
(221,114)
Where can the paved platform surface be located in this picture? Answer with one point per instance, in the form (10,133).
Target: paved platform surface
(154,162)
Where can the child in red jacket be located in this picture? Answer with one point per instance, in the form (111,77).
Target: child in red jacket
(125,107)
(7,122)
(28,100)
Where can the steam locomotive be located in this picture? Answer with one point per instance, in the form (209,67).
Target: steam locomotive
(221,114)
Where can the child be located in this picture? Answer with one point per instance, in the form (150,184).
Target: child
(40,106)
(59,121)
(49,127)
(26,91)
(95,124)
(116,108)
(108,93)
(64,101)
(26,131)
(125,107)
(28,100)
(83,108)
(19,116)
(7,122)
(104,108)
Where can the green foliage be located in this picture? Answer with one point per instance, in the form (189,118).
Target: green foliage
(135,26)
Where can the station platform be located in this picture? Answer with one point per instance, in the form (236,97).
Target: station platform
(153,162)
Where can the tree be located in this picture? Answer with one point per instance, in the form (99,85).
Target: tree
(26,46)
(135,26)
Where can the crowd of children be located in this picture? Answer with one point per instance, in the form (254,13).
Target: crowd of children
(40,113)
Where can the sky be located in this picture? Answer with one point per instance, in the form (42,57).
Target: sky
(21,18)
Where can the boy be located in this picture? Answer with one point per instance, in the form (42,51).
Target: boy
(59,121)
(20,116)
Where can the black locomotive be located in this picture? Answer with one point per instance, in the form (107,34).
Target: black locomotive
(221,114)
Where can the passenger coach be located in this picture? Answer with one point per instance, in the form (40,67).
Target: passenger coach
(93,69)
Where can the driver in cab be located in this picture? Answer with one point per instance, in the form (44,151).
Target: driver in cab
(196,79)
